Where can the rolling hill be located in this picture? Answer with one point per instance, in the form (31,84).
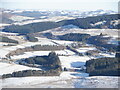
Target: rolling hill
(97,22)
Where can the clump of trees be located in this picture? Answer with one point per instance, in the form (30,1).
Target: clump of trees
(7,40)
(103,67)
(74,37)
(50,64)
(31,38)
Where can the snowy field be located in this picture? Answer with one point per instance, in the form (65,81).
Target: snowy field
(62,81)
(7,33)
(92,32)
(6,68)
(41,53)
(73,61)
(2,44)
(85,49)
(5,50)
(65,80)
(45,41)
(30,54)
(68,60)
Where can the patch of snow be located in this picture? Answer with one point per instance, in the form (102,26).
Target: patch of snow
(97,82)
(85,49)
(17,11)
(7,33)
(113,41)
(73,61)
(107,55)
(65,52)
(115,22)
(45,41)
(2,44)
(98,23)
(30,54)
(20,18)
(63,42)
(3,24)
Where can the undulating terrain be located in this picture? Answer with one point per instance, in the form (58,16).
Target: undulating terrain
(59,49)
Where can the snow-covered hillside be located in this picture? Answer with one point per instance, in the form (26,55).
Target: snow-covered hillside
(20,18)
(65,80)
(52,19)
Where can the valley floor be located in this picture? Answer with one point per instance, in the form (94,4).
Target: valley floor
(69,60)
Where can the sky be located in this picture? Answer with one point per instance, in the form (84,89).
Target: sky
(83,5)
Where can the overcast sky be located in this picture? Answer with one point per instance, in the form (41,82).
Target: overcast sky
(83,5)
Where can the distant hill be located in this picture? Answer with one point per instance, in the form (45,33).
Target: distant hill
(31,28)
(5,18)
(35,14)
(104,21)
(72,13)
(100,22)
(10,18)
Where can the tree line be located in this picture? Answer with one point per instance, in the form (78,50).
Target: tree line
(50,62)
(26,73)
(74,37)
